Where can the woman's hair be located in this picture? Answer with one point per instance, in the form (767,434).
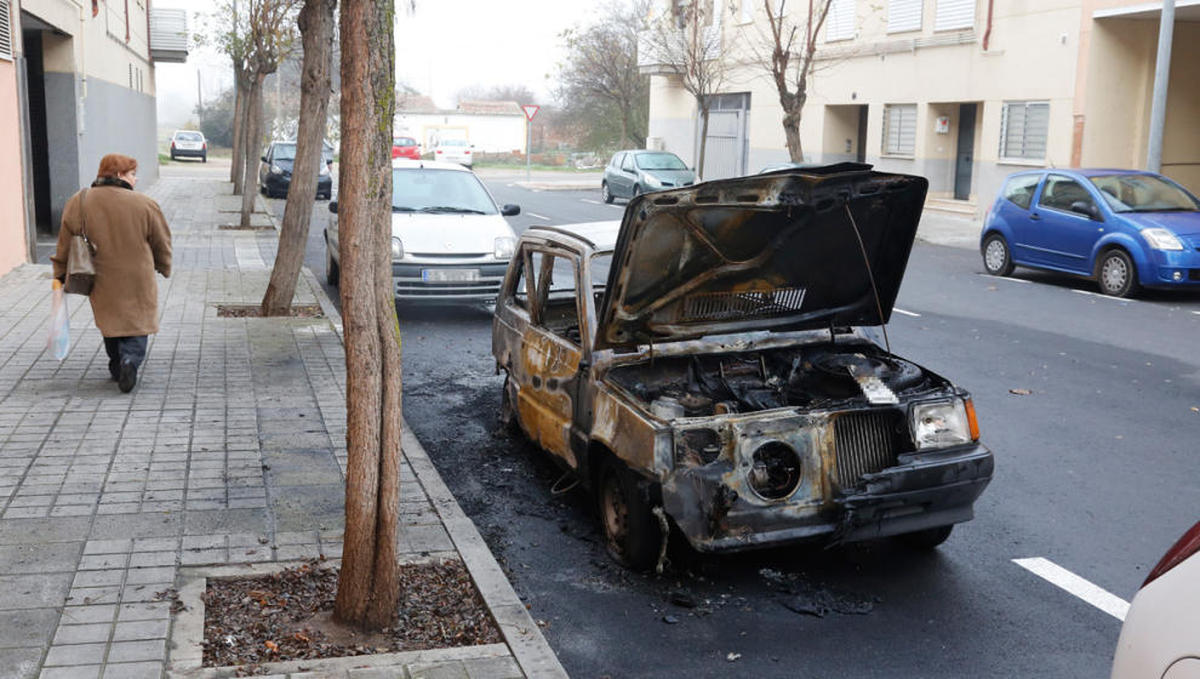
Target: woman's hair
(114,164)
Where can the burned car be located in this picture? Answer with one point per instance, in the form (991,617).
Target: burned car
(712,363)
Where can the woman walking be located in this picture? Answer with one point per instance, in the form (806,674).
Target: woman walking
(132,241)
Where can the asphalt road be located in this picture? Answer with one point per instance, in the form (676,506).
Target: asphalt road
(1096,473)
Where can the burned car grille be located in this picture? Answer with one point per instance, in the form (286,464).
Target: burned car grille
(866,443)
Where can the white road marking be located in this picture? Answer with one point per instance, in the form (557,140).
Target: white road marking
(906,313)
(619,207)
(1005,278)
(1196,312)
(1073,584)
(537,216)
(593,202)
(1110,298)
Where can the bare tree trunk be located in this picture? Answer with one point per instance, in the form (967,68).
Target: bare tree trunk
(367,585)
(316,26)
(253,127)
(791,130)
(703,142)
(237,167)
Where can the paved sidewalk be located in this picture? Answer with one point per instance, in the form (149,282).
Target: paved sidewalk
(230,450)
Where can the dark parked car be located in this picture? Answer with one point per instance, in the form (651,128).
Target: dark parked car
(632,173)
(713,364)
(1127,229)
(275,171)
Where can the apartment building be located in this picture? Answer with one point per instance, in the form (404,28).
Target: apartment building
(963,92)
(76,82)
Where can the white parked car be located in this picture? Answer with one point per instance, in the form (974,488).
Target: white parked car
(449,239)
(189,144)
(454,151)
(1161,635)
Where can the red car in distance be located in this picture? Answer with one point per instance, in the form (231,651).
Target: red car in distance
(405,147)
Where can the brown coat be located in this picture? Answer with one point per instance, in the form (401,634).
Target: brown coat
(132,241)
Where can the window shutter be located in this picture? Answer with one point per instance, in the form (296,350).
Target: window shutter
(1024,128)
(953,14)
(904,15)
(6,41)
(899,129)
(839,23)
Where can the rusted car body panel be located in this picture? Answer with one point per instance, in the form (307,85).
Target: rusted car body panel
(771,419)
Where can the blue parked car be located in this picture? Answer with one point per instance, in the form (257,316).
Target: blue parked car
(1127,229)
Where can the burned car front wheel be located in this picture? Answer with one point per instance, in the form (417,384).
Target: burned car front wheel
(928,538)
(631,533)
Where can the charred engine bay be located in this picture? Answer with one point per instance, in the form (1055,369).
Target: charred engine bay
(822,376)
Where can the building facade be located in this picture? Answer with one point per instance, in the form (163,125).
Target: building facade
(76,82)
(490,126)
(963,92)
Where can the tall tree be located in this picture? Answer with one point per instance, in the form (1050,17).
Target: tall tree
(786,52)
(367,584)
(227,29)
(316,29)
(688,43)
(271,35)
(601,69)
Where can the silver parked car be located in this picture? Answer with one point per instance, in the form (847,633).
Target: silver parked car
(632,173)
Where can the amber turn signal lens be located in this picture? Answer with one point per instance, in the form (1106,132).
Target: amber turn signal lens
(971,421)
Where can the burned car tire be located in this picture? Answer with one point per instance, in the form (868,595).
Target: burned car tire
(997,258)
(928,538)
(631,533)
(508,412)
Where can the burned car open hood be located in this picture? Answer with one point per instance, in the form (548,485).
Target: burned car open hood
(776,251)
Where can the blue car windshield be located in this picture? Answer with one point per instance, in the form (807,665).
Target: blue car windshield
(660,161)
(1143,193)
(448,191)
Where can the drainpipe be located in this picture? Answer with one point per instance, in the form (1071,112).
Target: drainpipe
(1162,75)
(987,33)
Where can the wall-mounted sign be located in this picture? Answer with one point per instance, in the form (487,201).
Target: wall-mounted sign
(942,125)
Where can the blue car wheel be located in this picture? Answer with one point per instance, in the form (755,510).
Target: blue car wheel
(997,260)
(1117,274)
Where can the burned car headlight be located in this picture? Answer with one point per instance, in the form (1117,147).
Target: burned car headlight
(940,424)
(774,470)
(697,447)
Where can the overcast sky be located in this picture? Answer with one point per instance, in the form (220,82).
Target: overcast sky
(441,48)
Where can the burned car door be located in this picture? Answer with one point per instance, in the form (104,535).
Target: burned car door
(540,327)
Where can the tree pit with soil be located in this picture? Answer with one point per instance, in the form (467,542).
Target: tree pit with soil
(288,616)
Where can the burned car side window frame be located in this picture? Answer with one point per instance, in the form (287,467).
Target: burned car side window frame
(519,292)
(545,260)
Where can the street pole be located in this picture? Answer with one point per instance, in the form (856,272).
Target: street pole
(528,146)
(1162,75)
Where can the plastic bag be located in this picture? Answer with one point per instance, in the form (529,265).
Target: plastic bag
(59,341)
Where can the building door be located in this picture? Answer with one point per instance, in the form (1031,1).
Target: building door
(39,147)
(860,151)
(727,143)
(965,157)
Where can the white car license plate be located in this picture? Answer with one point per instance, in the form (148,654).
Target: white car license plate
(449,275)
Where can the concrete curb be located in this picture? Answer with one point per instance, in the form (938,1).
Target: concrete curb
(521,633)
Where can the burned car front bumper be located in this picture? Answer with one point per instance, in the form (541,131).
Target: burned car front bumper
(923,490)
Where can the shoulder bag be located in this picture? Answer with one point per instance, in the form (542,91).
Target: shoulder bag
(81,273)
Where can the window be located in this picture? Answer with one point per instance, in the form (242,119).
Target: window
(6,42)
(1023,127)
(899,129)
(554,287)
(952,14)
(1020,189)
(1060,193)
(904,15)
(839,23)
(627,163)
